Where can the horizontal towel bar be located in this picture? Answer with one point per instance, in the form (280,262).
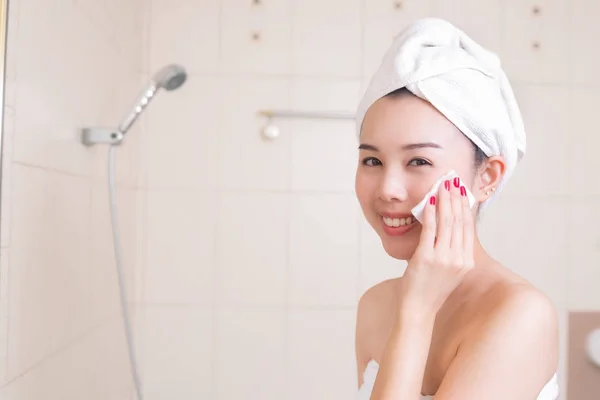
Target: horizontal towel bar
(306,114)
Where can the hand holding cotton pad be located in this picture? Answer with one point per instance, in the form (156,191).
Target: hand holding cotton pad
(417,210)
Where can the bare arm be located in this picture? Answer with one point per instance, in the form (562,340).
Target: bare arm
(440,262)
(402,368)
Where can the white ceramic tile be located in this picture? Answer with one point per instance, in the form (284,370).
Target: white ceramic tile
(183,131)
(323,250)
(180,247)
(7,162)
(246,159)
(375,264)
(327,38)
(250,354)
(523,29)
(177,355)
(49,270)
(4,269)
(3,350)
(256,37)
(324,152)
(324,156)
(93,367)
(104,280)
(523,238)
(545,168)
(584,258)
(75,87)
(252,253)
(325,94)
(120,23)
(481,20)
(383,20)
(103,355)
(321,359)
(584,31)
(584,173)
(184,32)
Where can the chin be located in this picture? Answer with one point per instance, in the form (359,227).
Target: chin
(399,248)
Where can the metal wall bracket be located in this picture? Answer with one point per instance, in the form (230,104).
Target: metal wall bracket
(92,136)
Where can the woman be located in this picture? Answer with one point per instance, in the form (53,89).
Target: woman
(457,324)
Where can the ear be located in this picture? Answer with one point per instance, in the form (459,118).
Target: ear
(488,177)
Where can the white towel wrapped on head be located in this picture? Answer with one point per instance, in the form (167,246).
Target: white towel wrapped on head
(465,82)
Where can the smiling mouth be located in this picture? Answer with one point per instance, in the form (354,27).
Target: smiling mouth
(398,222)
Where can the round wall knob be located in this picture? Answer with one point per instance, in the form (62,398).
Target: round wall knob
(271,132)
(592,347)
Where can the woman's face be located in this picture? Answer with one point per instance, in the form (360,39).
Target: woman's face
(405,146)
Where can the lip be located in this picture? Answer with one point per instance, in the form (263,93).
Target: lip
(400,230)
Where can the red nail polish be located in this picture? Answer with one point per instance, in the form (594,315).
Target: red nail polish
(456,182)
(432,200)
(463,191)
(447,185)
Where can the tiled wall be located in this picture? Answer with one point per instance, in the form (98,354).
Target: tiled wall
(248,280)
(251,278)
(70,64)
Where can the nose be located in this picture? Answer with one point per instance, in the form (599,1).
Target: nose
(392,188)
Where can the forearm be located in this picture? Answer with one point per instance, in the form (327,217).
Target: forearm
(402,367)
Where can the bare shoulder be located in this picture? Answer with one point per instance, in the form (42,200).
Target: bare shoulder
(374,306)
(377,295)
(518,316)
(522,303)
(502,295)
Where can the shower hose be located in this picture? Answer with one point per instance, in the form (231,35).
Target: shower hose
(120,272)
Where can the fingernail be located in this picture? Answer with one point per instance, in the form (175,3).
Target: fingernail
(456,182)
(447,185)
(432,200)
(463,191)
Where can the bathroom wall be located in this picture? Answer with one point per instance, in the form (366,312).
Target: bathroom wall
(244,279)
(256,252)
(70,64)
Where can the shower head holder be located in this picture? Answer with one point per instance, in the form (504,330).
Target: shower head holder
(96,135)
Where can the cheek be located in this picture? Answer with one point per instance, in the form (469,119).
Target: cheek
(365,186)
(419,188)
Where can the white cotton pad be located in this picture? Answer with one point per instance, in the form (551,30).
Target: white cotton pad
(417,210)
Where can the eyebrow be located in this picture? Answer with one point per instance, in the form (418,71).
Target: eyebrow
(410,146)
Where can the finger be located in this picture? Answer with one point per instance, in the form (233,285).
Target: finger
(456,241)
(444,217)
(468,228)
(428,229)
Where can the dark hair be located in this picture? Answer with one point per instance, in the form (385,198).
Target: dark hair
(479,156)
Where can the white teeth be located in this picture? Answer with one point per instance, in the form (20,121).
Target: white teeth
(396,222)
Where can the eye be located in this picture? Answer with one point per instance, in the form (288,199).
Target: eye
(419,162)
(371,161)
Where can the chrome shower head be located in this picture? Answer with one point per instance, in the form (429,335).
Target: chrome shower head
(170,78)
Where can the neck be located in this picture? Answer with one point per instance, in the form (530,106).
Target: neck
(481,256)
